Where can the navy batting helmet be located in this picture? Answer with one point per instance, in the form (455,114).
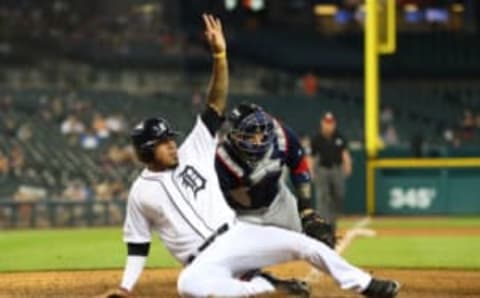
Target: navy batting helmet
(147,134)
(246,121)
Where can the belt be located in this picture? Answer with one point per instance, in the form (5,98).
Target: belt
(221,230)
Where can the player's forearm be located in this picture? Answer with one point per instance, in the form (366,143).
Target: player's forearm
(137,256)
(304,194)
(301,179)
(133,270)
(218,86)
(347,163)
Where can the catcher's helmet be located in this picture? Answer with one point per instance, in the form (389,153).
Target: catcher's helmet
(247,120)
(147,134)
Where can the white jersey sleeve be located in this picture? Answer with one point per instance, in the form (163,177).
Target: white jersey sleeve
(199,142)
(137,228)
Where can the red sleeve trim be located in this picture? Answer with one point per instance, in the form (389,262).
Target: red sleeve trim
(302,166)
(228,167)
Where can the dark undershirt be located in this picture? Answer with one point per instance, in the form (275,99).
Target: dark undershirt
(138,249)
(212,120)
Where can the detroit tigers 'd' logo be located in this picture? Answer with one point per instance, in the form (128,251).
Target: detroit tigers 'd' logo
(192,179)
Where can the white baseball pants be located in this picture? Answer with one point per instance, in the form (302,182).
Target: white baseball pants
(248,246)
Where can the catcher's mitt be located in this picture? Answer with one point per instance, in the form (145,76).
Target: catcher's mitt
(316,227)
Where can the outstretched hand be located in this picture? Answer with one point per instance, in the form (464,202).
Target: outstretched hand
(214,33)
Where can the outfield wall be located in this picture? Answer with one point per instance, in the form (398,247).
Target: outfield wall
(416,187)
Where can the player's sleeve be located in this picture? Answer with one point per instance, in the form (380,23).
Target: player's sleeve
(212,120)
(137,236)
(226,177)
(296,158)
(297,163)
(137,227)
(202,140)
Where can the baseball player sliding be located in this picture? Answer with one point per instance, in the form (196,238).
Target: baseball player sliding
(178,196)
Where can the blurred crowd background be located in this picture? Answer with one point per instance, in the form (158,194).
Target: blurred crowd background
(75,76)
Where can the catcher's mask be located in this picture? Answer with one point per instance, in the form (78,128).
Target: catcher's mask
(251,131)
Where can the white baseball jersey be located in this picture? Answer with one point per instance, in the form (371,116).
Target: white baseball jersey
(184,205)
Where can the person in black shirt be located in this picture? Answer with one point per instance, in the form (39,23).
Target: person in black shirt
(331,165)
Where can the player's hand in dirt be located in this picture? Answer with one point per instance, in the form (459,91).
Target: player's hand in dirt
(214,33)
(114,293)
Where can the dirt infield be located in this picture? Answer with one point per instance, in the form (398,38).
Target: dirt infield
(161,283)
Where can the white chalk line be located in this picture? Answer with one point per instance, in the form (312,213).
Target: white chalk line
(357,230)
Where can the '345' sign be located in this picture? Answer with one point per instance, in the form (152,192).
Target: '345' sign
(415,198)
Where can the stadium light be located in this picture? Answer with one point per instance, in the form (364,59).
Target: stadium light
(458,8)
(325,9)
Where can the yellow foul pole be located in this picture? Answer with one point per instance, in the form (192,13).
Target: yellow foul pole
(371,95)
(371,78)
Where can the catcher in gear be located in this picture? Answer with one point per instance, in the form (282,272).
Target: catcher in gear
(250,162)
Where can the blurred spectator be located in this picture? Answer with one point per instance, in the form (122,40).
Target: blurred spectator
(129,152)
(449,135)
(17,160)
(468,125)
(89,140)
(78,106)
(390,136)
(9,127)
(103,191)
(109,190)
(24,132)
(25,195)
(100,127)
(115,154)
(116,123)
(44,108)
(310,84)
(57,109)
(118,155)
(119,191)
(4,165)
(76,190)
(5,103)
(386,116)
(477,124)
(72,125)
(30,193)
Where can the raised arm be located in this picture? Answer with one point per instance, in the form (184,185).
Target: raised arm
(218,86)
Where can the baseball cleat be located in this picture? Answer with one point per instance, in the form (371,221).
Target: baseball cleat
(291,286)
(379,288)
